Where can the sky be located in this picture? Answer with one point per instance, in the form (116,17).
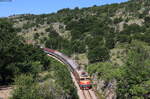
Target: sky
(46,6)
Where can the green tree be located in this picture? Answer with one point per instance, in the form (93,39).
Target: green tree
(78,46)
(17,57)
(27,88)
(98,54)
(137,68)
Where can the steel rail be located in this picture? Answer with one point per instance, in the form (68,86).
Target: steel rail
(90,94)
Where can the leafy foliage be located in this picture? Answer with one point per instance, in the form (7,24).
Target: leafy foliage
(133,82)
(105,70)
(27,88)
(22,64)
(133,77)
(16,57)
(58,84)
(98,54)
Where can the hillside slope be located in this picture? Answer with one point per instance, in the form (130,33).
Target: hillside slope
(72,29)
(110,40)
(28,72)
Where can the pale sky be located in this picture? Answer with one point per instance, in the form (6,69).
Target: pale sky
(46,6)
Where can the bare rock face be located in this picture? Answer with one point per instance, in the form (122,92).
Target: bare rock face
(108,89)
(136,21)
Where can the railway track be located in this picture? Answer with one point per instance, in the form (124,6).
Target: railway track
(84,94)
(90,94)
(87,94)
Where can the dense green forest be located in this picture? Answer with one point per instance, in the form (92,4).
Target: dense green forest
(35,75)
(115,38)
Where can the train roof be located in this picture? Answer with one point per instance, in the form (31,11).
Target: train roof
(83,74)
(49,50)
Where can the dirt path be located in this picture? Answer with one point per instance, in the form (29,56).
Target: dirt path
(5,92)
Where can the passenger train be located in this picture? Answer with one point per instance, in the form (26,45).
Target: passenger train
(82,77)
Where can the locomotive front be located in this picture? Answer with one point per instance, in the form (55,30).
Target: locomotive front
(85,81)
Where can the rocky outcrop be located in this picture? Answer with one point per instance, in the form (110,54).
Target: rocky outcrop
(107,89)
